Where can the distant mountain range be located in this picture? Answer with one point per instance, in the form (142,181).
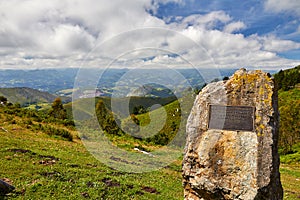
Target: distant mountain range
(56,80)
(60,82)
(151,90)
(49,80)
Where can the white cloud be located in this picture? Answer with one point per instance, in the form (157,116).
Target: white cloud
(38,34)
(280,6)
(276,45)
(234,26)
(67,38)
(208,21)
(235,50)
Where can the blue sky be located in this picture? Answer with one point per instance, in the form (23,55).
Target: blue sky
(231,33)
(253,13)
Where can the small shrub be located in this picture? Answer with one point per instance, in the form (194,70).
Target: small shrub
(51,131)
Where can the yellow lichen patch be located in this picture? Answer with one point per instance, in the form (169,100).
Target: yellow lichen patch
(259,134)
(267,101)
(270,95)
(262,126)
(261,91)
(268,79)
(268,87)
(257,118)
(246,78)
(260,130)
(244,81)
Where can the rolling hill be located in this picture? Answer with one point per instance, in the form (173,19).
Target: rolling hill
(43,166)
(26,96)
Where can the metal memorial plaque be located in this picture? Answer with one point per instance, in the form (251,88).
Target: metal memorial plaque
(231,117)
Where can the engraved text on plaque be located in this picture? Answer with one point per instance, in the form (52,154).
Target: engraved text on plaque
(231,117)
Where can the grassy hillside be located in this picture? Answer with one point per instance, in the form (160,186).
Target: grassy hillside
(288,82)
(290,174)
(26,96)
(288,79)
(44,168)
(289,139)
(164,122)
(289,143)
(289,108)
(84,105)
(41,166)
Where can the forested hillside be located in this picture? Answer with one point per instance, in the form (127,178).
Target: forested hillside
(289,107)
(288,79)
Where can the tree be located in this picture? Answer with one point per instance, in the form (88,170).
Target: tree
(287,79)
(3,100)
(289,125)
(106,119)
(226,78)
(279,78)
(58,111)
(139,110)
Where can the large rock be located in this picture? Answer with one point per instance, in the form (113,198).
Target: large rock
(5,187)
(234,164)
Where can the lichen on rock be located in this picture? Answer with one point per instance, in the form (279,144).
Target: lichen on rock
(234,164)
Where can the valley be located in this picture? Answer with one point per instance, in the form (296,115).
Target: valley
(46,157)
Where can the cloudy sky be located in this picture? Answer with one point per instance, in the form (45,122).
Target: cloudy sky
(96,33)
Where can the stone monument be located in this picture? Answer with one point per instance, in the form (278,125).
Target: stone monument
(5,187)
(232,133)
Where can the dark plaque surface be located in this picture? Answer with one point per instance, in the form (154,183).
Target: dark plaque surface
(231,117)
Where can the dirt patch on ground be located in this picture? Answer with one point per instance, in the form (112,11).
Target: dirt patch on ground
(150,190)
(122,160)
(90,184)
(85,195)
(110,183)
(22,151)
(46,159)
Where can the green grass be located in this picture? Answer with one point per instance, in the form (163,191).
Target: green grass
(290,179)
(161,119)
(47,167)
(290,173)
(86,105)
(166,123)
(285,97)
(40,106)
(293,157)
(42,167)
(27,96)
(290,163)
